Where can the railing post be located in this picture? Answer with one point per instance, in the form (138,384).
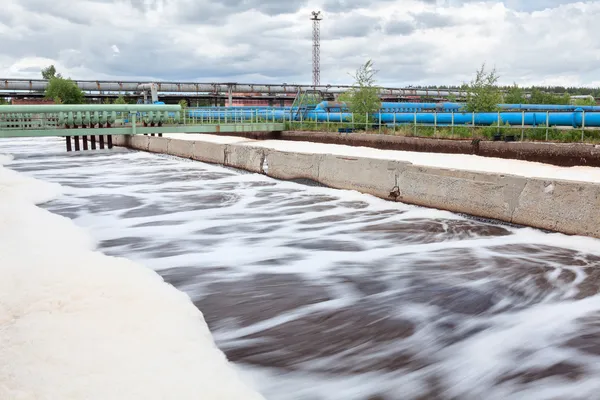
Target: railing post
(522,125)
(547,123)
(415,124)
(379,125)
(452,123)
(435,123)
(134,122)
(582,126)
(394,123)
(367,122)
(498,129)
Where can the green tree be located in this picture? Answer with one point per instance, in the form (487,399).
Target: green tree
(50,72)
(584,102)
(539,96)
(514,95)
(64,91)
(120,100)
(183,103)
(483,95)
(61,90)
(363,99)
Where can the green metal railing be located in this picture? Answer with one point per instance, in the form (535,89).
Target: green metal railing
(115,119)
(371,123)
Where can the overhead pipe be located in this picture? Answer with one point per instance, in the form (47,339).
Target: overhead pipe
(194,87)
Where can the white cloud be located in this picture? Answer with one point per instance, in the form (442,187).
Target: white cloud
(412,42)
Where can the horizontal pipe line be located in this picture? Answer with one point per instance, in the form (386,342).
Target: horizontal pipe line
(90,85)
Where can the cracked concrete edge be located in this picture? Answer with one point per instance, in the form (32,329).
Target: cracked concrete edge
(570,207)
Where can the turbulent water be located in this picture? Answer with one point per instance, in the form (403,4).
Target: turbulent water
(321,294)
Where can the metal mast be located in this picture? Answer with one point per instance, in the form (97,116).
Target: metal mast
(316,57)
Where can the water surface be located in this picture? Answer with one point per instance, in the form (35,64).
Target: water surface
(322,294)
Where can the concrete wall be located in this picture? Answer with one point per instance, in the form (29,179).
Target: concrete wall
(562,206)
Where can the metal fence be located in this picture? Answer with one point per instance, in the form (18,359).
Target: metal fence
(295,120)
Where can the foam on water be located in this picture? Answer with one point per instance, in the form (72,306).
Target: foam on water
(321,294)
(75,323)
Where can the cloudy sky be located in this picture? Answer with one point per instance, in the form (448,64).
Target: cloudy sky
(411,42)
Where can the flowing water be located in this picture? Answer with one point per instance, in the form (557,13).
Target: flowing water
(322,294)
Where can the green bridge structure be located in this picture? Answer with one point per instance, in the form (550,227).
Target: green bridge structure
(97,123)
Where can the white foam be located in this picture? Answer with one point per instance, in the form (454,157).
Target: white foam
(75,323)
(15,186)
(207,138)
(5,159)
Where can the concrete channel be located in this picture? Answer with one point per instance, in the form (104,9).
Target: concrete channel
(569,207)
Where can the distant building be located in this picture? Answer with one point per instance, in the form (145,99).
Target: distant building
(31,102)
(253,100)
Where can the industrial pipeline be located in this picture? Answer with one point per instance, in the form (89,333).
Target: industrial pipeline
(334,106)
(410,113)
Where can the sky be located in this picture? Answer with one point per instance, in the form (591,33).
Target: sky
(411,42)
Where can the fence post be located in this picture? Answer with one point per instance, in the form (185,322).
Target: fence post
(327,122)
(452,123)
(522,124)
(435,123)
(352,114)
(547,123)
(415,124)
(582,126)
(367,122)
(394,123)
(498,129)
(379,125)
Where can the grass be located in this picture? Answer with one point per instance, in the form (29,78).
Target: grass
(528,134)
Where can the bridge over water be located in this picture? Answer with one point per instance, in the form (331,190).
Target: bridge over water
(100,122)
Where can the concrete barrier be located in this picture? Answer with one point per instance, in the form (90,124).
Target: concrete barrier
(139,142)
(181,148)
(563,206)
(290,165)
(246,157)
(477,193)
(120,140)
(157,144)
(374,176)
(209,152)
